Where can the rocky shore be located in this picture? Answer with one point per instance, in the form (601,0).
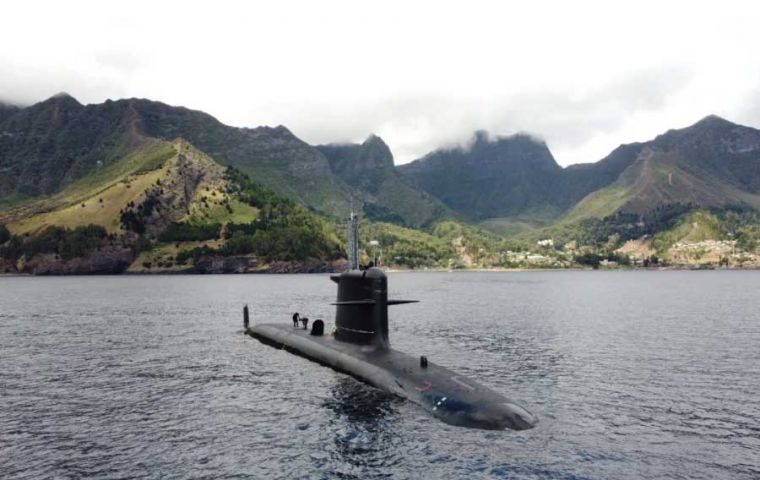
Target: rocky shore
(111,261)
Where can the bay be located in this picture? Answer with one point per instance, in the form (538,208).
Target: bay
(632,374)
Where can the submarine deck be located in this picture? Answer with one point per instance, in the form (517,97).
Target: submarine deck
(453,398)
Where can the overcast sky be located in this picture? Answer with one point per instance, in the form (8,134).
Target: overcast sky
(585,76)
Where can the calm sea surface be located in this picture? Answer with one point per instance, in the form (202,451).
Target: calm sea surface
(633,375)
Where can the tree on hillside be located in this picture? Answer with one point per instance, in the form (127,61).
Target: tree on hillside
(5,235)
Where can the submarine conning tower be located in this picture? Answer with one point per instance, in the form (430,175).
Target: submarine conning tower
(361,315)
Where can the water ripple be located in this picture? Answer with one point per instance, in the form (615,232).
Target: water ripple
(636,375)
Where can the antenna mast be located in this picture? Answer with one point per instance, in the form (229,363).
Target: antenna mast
(353,241)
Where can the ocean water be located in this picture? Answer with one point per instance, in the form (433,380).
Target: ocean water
(632,374)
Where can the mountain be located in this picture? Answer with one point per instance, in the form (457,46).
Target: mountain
(157,184)
(49,145)
(146,186)
(386,196)
(130,183)
(713,163)
(164,207)
(272,156)
(6,110)
(504,177)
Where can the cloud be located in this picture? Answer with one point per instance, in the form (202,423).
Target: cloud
(585,76)
(414,123)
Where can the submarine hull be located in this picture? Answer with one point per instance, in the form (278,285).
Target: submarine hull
(452,398)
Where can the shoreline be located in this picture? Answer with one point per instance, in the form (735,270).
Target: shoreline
(168,272)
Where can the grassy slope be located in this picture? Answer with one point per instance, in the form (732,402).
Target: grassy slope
(696,226)
(118,184)
(659,178)
(415,207)
(126,181)
(532,220)
(401,245)
(653,179)
(323,194)
(449,244)
(599,204)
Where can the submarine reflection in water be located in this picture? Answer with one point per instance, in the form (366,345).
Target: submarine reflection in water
(360,347)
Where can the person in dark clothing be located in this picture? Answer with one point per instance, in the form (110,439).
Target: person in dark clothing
(296,318)
(305,322)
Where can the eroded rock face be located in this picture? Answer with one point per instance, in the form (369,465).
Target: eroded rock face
(188,181)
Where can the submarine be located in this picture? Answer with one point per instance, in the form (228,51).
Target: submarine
(359,346)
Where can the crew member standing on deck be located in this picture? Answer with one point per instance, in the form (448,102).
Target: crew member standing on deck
(296,318)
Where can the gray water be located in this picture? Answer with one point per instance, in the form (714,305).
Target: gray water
(633,375)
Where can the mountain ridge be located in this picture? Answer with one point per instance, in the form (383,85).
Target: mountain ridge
(718,158)
(713,163)
(369,167)
(48,145)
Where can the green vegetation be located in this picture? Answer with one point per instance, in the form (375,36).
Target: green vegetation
(384,194)
(616,229)
(86,177)
(103,193)
(510,227)
(188,232)
(64,242)
(491,178)
(379,213)
(283,230)
(694,226)
(404,246)
(600,204)
(449,244)
(737,223)
(5,234)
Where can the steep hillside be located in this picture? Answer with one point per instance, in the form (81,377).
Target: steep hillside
(507,177)
(513,185)
(581,179)
(383,193)
(164,207)
(273,156)
(51,144)
(156,185)
(713,163)
(6,110)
